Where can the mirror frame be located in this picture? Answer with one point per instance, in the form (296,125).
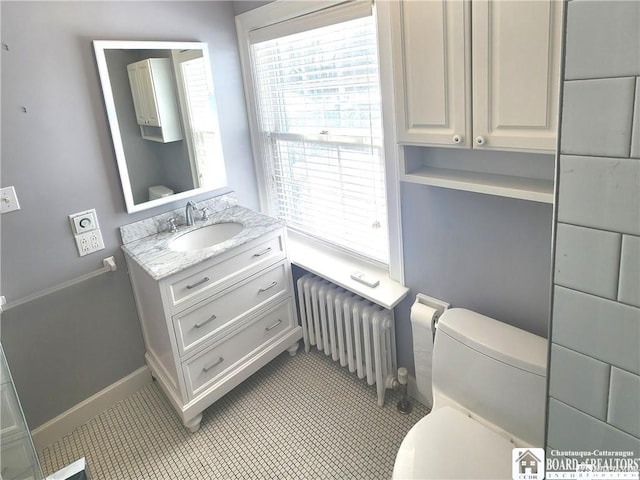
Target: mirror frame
(99,47)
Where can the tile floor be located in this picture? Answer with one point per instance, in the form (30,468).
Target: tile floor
(301,417)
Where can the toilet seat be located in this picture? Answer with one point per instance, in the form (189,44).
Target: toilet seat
(448,444)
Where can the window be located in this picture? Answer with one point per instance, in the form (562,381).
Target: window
(200,117)
(317,96)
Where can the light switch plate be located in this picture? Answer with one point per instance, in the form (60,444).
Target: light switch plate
(8,200)
(84,221)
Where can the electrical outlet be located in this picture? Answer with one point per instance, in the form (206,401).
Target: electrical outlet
(8,200)
(89,242)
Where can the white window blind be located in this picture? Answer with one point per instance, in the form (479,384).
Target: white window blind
(318,103)
(201,117)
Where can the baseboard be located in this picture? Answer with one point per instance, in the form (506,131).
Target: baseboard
(66,422)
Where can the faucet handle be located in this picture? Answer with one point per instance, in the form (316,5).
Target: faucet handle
(172,225)
(205,214)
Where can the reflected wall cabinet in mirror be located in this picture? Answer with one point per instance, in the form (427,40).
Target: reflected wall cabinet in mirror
(161,106)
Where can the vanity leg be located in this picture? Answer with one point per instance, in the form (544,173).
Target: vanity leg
(293,349)
(193,425)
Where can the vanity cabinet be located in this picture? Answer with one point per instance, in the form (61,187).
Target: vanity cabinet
(477,74)
(209,327)
(154,99)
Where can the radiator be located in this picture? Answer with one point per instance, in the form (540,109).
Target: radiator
(355,332)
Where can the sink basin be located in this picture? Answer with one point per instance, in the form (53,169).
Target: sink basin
(205,236)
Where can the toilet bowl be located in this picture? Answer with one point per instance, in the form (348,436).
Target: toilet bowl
(488,381)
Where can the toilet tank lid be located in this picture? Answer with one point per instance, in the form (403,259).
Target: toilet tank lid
(161,190)
(505,343)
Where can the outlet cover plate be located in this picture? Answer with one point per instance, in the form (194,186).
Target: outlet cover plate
(89,242)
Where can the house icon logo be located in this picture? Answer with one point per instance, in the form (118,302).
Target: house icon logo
(528,463)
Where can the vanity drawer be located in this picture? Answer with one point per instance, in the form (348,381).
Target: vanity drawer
(199,324)
(204,370)
(241,263)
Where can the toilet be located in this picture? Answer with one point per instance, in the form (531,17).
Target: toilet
(159,191)
(488,382)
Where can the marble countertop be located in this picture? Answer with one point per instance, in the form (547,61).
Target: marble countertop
(153,254)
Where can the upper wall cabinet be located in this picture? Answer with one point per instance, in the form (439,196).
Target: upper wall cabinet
(483,73)
(154,99)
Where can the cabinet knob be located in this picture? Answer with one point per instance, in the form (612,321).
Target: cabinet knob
(457,138)
(479,140)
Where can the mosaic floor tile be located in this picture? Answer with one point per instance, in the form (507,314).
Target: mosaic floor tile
(299,417)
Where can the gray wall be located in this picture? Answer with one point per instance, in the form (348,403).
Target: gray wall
(594,382)
(485,253)
(67,346)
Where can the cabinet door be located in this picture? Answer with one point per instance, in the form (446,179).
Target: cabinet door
(148,90)
(516,58)
(431,67)
(137,94)
(143,93)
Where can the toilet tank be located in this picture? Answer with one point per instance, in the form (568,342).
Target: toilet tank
(494,371)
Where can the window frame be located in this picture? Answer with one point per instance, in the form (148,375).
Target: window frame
(280,11)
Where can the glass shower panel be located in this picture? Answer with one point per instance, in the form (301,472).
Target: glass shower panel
(18,459)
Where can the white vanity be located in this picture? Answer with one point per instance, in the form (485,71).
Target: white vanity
(211,317)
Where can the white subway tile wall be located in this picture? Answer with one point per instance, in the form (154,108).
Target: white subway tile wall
(580,381)
(594,370)
(576,431)
(635,129)
(597,116)
(598,327)
(624,398)
(603,39)
(629,289)
(600,193)
(588,260)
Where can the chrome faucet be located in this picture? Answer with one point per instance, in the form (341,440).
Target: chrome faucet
(189,212)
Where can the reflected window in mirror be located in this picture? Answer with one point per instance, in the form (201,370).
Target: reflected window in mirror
(161,106)
(200,101)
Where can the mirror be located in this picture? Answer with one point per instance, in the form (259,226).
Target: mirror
(162,112)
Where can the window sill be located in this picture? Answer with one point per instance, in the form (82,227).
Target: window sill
(337,267)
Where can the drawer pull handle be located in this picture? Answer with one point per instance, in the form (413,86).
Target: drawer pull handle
(274,325)
(263,252)
(264,289)
(197,284)
(206,369)
(198,325)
